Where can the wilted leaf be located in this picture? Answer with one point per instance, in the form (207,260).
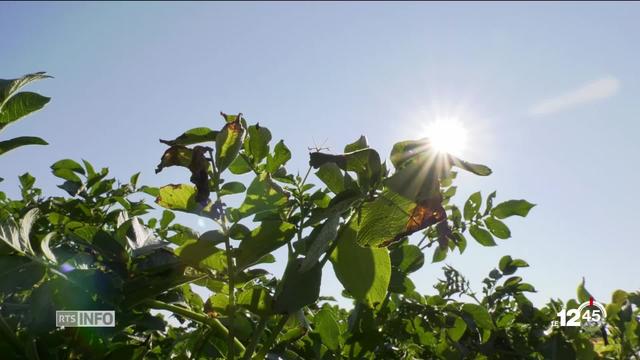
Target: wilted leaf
(193,159)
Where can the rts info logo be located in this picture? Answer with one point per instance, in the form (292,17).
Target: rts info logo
(589,315)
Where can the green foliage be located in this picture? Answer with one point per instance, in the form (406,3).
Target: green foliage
(100,247)
(14,105)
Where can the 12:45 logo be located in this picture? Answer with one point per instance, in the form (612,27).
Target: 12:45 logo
(590,314)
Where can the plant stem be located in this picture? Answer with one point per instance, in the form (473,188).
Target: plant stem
(214,323)
(232,285)
(272,339)
(230,266)
(255,337)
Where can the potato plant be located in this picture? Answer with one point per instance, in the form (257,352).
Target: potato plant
(374,222)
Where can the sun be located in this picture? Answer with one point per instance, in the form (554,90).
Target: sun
(447,135)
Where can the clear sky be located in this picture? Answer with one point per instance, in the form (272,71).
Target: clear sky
(549,93)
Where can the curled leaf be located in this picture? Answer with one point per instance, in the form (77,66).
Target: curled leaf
(193,159)
(229,141)
(193,136)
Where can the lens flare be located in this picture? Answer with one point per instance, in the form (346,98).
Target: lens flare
(447,135)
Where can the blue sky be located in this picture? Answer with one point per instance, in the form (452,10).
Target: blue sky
(548,91)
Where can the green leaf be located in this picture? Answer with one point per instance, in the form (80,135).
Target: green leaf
(228,143)
(331,175)
(512,207)
(264,239)
(460,241)
(239,166)
(9,87)
(319,243)
(297,289)
(193,136)
(203,252)
(233,187)
(525,287)
(262,197)
(619,297)
(489,205)
(257,144)
(497,228)
(365,163)
(509,266)
(281,154)
(68,175)
(439,254)
(26,181)
(479,314)
(167,218)
(68,164)
(472,205)
(477,169)
(512,281)
(8,145)
(458,329)
(359,144)
(364,272)
(178,197)
(583,294)
(384,218)
(46,250)
(481,235)
(21,105)
(257,300)
(400,283)
(327,327)
(495,274)
(18,273)
(407,258)
(420,167)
